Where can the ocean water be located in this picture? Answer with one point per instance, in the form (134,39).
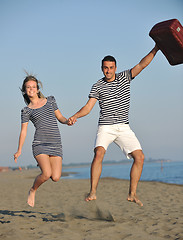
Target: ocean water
(167,172)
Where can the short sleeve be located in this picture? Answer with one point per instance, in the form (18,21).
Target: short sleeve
(53,103)
(125,75)
(94,92)
(24,116)
(130,72)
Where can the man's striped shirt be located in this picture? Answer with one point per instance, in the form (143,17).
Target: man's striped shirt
(114,98)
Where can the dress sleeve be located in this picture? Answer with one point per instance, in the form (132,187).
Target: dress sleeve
(24,116)
(53,103)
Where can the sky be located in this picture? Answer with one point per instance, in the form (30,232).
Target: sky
(62,42)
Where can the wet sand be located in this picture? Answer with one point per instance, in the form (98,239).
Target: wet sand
(60,211)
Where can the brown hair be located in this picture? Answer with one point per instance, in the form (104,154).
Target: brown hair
(109,59)
(23,89)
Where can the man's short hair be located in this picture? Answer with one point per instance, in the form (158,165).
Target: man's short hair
(109,59)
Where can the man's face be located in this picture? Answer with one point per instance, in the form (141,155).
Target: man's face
(109,69)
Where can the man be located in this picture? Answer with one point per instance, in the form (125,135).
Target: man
(113,94)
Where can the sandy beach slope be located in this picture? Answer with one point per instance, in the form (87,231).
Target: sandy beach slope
(60,211)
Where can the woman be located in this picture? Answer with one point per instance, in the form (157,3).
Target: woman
(46,146)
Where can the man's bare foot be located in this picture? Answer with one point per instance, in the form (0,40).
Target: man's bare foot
(90,197)
(134,198)
(31,197)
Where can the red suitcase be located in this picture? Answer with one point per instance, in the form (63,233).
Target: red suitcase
(168,35)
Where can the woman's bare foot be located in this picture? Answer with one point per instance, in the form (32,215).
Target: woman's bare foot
(31,197)
(90,197)
(134,198)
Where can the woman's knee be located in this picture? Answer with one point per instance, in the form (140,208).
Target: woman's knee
(46,175)
(45,178)
(55,178)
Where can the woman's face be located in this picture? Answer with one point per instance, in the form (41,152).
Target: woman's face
(31,88)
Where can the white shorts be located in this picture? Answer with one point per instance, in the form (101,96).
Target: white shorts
(120,134)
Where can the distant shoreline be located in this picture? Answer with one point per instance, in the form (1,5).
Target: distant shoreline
(79,165)
(7,169)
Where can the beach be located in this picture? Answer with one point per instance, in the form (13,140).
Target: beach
(60,211)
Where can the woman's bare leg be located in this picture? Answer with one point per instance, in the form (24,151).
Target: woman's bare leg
(56,167)
(51,167)
(45,166)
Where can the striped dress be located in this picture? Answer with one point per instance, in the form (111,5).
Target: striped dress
(47,139)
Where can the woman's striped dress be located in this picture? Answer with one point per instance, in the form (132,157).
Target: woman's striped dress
(47,139)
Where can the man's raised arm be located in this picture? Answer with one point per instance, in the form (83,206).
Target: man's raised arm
(144,62)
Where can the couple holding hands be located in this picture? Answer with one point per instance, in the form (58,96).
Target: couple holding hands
(113,93)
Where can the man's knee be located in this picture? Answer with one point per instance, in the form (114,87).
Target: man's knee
(138,157)
(99,153)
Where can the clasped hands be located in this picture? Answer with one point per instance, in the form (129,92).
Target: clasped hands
(71,121)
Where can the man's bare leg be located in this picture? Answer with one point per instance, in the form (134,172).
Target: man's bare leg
(135,175)
(96,169)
